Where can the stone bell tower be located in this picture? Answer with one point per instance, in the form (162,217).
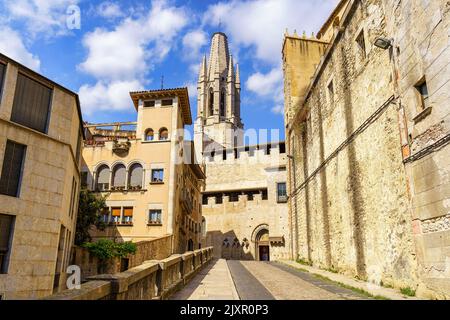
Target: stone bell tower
(219,105)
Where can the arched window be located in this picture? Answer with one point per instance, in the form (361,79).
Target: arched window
(135,178)
(211,102)
(102,178)
(222,104)
(119,175)
(149,135)
(163,134)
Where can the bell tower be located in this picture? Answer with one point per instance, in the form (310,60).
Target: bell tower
(218,103)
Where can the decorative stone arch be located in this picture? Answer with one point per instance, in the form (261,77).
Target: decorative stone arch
(260,238)
(95,180)
(149,134)
(163,134)
(133,162)
(114,167)
(133,176)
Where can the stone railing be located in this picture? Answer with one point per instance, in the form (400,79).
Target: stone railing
(152,280)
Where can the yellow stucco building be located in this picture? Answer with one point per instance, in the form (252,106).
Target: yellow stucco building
(147,172)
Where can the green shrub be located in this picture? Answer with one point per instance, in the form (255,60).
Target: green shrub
(107,249)
(407,291)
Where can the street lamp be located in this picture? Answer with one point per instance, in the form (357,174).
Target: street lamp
(383,43)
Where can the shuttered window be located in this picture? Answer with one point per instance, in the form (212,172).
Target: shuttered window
(31,104)
(12,169)
(6,229)
(136,175)
(120,173)
(2,77)
(127,215)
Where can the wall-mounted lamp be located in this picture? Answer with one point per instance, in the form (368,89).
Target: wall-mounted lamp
(383,43)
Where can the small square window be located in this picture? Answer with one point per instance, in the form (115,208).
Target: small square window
(149,104)
(154,217)
(157,175)
(422,89)
(167,102)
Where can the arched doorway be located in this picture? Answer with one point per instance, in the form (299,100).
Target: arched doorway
(262,245)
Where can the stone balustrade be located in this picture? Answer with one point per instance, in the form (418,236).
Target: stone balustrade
(152,280)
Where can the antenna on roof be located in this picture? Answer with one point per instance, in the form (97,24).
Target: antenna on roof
(162,82)
(220,24)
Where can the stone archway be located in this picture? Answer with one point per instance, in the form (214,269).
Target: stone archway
(262,245)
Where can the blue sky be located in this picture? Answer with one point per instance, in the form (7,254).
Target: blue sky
(128,45)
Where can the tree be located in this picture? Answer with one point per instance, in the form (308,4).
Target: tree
(90,211)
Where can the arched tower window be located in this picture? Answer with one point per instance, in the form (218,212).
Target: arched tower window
(211,102)
(222,103)
(163,134)
(135,175)
(119,175)
(102,178)
(149,135)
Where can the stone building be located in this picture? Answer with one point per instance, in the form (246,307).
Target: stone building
(244,199)
(147,172)
(366,109)
(40,145)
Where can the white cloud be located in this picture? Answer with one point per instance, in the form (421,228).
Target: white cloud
(40,16)
(278,109)
(265,84)
(12,46)
(109,10)
(193,42)
(107,96)
(261,23)
(126,53)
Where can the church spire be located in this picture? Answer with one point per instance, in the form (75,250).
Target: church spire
(202,73)
(230,70)
(219,56)
(238,76)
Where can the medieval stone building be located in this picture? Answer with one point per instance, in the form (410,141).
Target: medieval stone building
(244,201)
(367,116)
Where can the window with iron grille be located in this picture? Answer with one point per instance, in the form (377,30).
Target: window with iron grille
(6,231)
(31,106)
(12,169)
(281,192)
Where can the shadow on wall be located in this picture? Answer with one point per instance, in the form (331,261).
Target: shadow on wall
(229,246)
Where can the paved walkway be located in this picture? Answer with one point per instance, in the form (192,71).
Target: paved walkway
(253,280)
(214,282)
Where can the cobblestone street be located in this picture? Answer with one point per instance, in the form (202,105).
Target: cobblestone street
(252,280)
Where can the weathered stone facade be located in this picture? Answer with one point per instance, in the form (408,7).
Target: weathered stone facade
(44,210)
(352,186)
(244,217)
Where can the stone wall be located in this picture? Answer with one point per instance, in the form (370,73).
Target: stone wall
(350,206)
(420,32)
(149,281)
(146,250)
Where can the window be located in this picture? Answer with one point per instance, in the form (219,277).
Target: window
(78,154)
(31,106)
(73,197)
(282,148)
(105,216)
(264,195)
(13,161)
(149,135)
(331,92)
(2,76)
(155,217)
(234,197)
(360,40)
(115,214)
(149,104)
(127,215)
(422,89)
(163,134)
(167,102)
(222,104)
(157,175)
(281,192)
(119,176)
(136,173)
(6,230)
(211,102)
(219,199)
(205,200)
(103,178)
